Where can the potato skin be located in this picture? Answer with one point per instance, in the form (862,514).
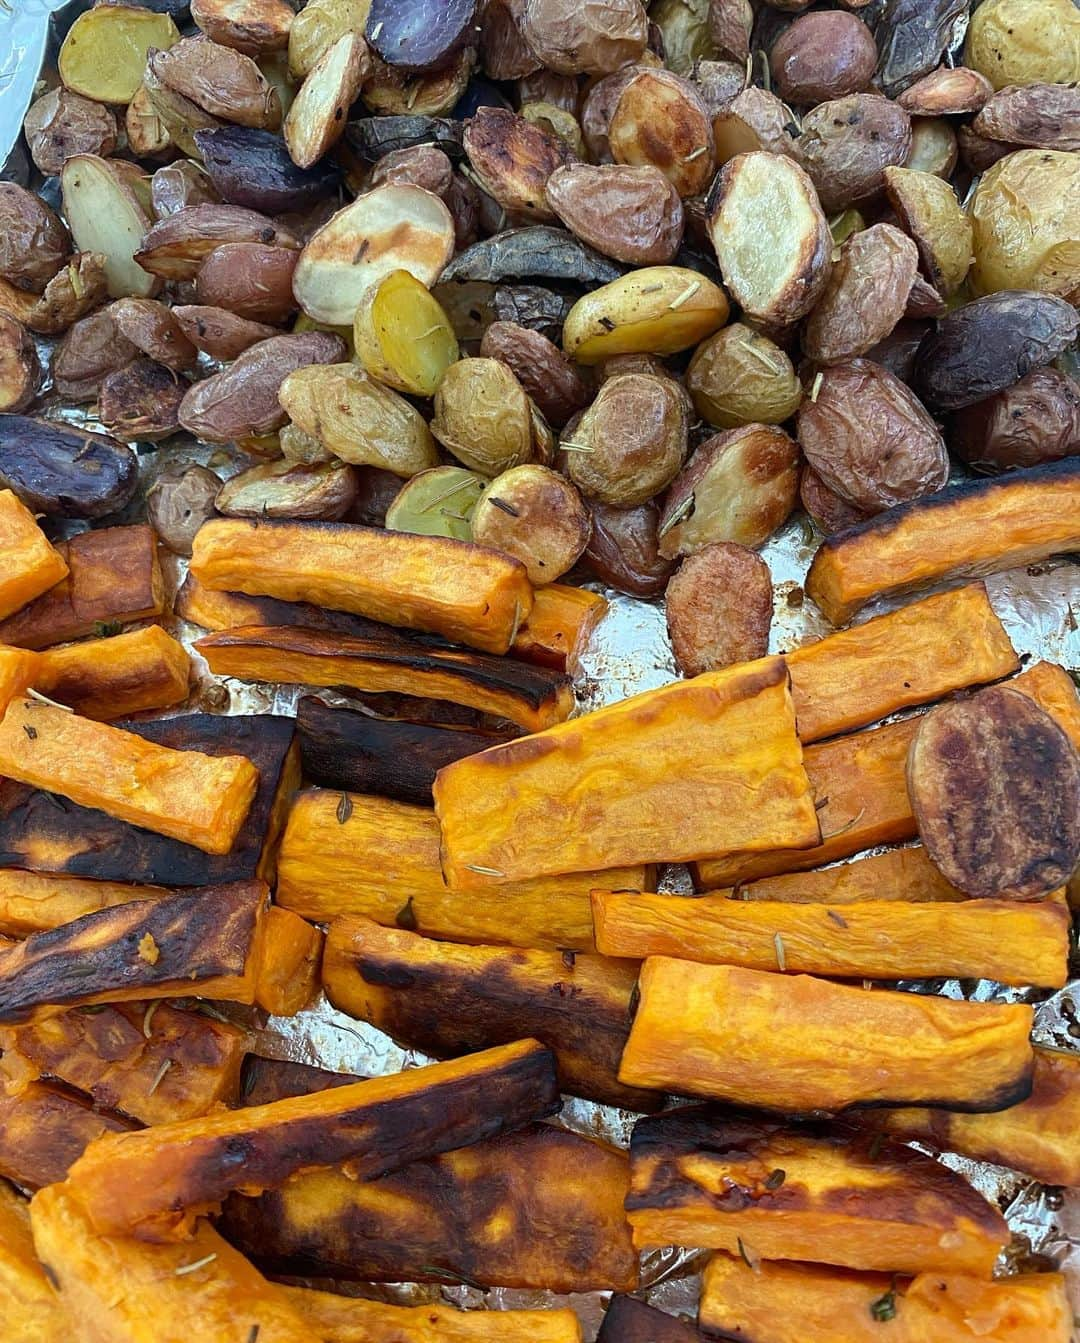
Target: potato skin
(179,501)
(219,333)
(34,244)
(719,608)
(251,279)
(554,383)
(325,490)
(61,123)
(89,351)
(847,143)
(930,213)
(739,376)
(154,329)
(1024,42)
(633,214)
(141,401)
(869,439)
(1043,116)
(866,295)
(538,517)
(622,551)
(821,56)
(661,119)
(20,370)
(828,511)
(635,437)
(897,352)
(594,37)
(946,92)
(222,82)
(482,416)
(1035,420)
(513,159)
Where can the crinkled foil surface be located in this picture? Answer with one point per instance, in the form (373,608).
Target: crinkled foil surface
(629,652)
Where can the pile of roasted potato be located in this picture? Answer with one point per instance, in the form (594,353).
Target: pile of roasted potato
(468,304)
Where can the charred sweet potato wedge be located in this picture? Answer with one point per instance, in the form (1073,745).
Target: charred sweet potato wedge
(139,1293)
(907,657)
(113,578)
(344,854)
(347,1319)
(897,874)
(27,1301)
(156,1183)
(1040,1136)
(389,757)
(31,902)
(207,943)
(45,833)
(475,596)
(558,626)
(1004,940)
(111,678)
(29,565)
(628,1320)
(44,1130)
(795,1043)
(532,697)
(288,975)
(19,669)
(149,1061)
(810,1303)
(449,1000)
(728,1181)
(265,1080)
(969,530)
(541,1208)
(198,799)
(672,774)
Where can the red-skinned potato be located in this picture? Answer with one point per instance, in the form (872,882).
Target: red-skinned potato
(739,486)
(823,55)
(622,551)
(513,159)
(417,165)
(255,27)
(1035,420)
(946,92)
(554,383)
(719,83)
(719,608)
(323,490)
(866,296)
(154,329)
(178,185)
(34,244)
(222,82)
(633,214)
(176,247)
(504,53)
(147,134)
(847,143)
(61,123)
(179,501)
(141,401)
(661,119)
(828,511)
(93,348)
(754,119)
(597,109)
(251,279)
(218,332)
(20,370)
(730,24)
(574,38)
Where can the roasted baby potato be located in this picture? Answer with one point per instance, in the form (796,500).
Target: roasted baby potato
(318,26)
(255,27)
(934,147)
(141,401)
(828,511)
(391,91)
(424,166)
(1044,116)
(104,54)
(402,335)
(661,119)
(483,416)
(222,82)
(176,247)
(181,117)
(755,119)
(253,168)
(513,159)
(253,280)
(179,501)
(866,296)
(847,143)
(64,472)
(437,502)
(633,214)
(417,38)
(731,23)
(869,438)
(622,551)
(739,486)
(20,369)
(72,293)
(61,123)
(34,244)
(739,376)
(316,118)
(824,55)
(504,53)
(1024,42)
(930,213)
(289,490)
(630,443)
(558,122)
(946,92)
(574,39)
(719,83)
(1035,420)
(178,185)
(219,333)
(684,30)
(770,235)
(536,515)
(93,348)
(147,134)
(597,108)
(719,608)
(154,330)
(555,385)
(655,310)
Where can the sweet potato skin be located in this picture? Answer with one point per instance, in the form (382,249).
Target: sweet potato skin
(347,1319)
(531,697)
(117,1054)
(288,975)
(910,656)
(467,593)
(43,832)
(111,678)
(153,1184)
(345,854)
(706,1177)
(796,1043)
(44,1130)
(131,1292)
(31,1311)
(967,531)
(541,1208)
(874,939)
(1039,1136)
(198,799)
(114,577)
(673,774)
(807,1303)
(29,565)
(172,947)
(448,1000)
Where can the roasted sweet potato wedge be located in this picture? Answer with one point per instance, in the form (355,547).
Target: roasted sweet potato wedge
(288,975)
(448,1000)
(43,832)
(809,1303)
(542,1208)
(30,902)
(389,757)
(907,657)
(792,1042)
(628,1320)
(532,697)
(1005,940)
(44,1129)
(19,669)
(1040,1136)
(113,578)
(198,799)
(28,1304)
(344,854)
(670,774)
(111,678)
(229,610)
(146,1060)
(29,565)
(265,1080)
(138,1293)
(475,596)
(897,874)
(971,529)
(169,948)
(558,626)
(347,1319)
(159,1181)
(729,1181)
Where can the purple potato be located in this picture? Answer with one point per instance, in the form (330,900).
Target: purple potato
(252,168)
(419,35)
(64,472)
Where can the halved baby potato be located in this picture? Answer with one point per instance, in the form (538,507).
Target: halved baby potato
(403,337)
(316,118)
(661,119)
(929,211)
(104,54)
(318,26)
(439,502)
(105,216)
(655,310)
(255,27)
